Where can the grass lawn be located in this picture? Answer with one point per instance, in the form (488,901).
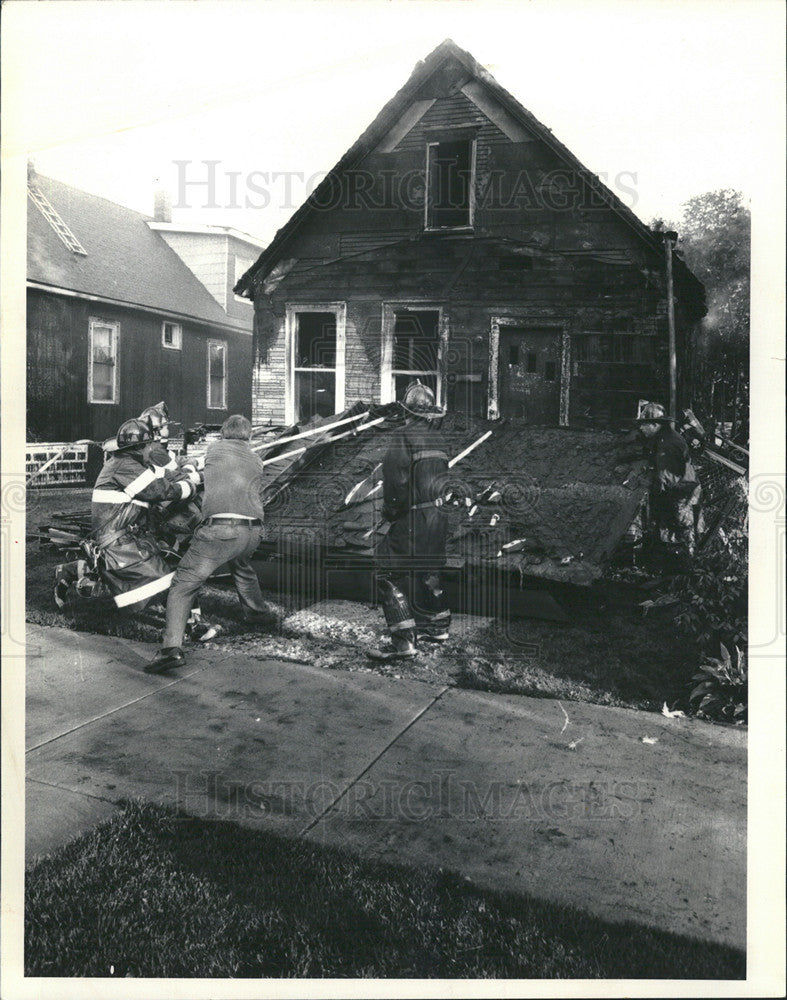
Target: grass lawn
(152,893)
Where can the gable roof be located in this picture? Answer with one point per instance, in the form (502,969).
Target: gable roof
(389,116)
(124,260)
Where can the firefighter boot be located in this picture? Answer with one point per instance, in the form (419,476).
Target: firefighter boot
(400,622)
(433,619)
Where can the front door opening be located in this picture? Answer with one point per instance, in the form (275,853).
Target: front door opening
(416,350)
(529,374)
(315,365)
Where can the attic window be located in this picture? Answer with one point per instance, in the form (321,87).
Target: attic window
(450,182)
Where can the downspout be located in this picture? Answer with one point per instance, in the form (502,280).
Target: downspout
(669,244)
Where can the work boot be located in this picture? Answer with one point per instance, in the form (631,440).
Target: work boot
(165,659)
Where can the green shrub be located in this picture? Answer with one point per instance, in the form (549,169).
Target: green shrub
(723,690)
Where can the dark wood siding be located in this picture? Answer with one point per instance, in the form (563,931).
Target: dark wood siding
(544,246)
(57,370)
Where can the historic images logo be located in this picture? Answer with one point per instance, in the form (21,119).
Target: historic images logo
(207,184)
(439,796)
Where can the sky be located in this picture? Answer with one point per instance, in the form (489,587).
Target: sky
(110,96)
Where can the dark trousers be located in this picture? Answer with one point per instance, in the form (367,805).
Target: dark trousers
(411,557)
(211,547)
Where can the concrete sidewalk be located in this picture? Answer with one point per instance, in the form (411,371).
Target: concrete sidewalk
(628,815)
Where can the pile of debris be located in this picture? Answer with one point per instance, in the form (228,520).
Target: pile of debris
(551,503)
(547,503)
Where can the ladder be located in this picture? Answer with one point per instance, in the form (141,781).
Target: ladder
(54,220)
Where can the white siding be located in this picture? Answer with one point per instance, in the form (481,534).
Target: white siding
(206,255)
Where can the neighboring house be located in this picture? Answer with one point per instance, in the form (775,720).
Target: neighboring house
(117,320)
(458,241)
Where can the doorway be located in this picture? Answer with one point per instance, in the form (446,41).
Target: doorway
(529,374)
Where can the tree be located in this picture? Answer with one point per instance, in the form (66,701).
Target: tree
(715,241)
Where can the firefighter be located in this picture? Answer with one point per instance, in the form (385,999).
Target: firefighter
(157,457)
(675,490)
(131,564)
(157,453)
(229,533)
(175,529)
(412,553)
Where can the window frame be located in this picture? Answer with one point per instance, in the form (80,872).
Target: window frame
(387,372)
(465,227)
(114,325)
(292,309)
(177,344)
(213,342)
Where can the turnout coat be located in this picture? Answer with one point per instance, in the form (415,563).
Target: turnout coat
(415,473)
(130,562)
(675,490)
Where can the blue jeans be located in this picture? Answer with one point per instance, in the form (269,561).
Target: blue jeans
(211,547)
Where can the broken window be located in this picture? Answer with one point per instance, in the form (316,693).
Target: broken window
(532,362)
(416,349)
(217,375)
(102,378)
(549,371)
(449,168)
(513,354)
(314,347)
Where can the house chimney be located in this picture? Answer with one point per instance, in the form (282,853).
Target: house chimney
(162,205)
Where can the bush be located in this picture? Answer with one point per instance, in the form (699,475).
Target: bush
(714,593)
(723,690)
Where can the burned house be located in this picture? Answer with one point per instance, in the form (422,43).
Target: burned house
(460,242)
(124,310)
